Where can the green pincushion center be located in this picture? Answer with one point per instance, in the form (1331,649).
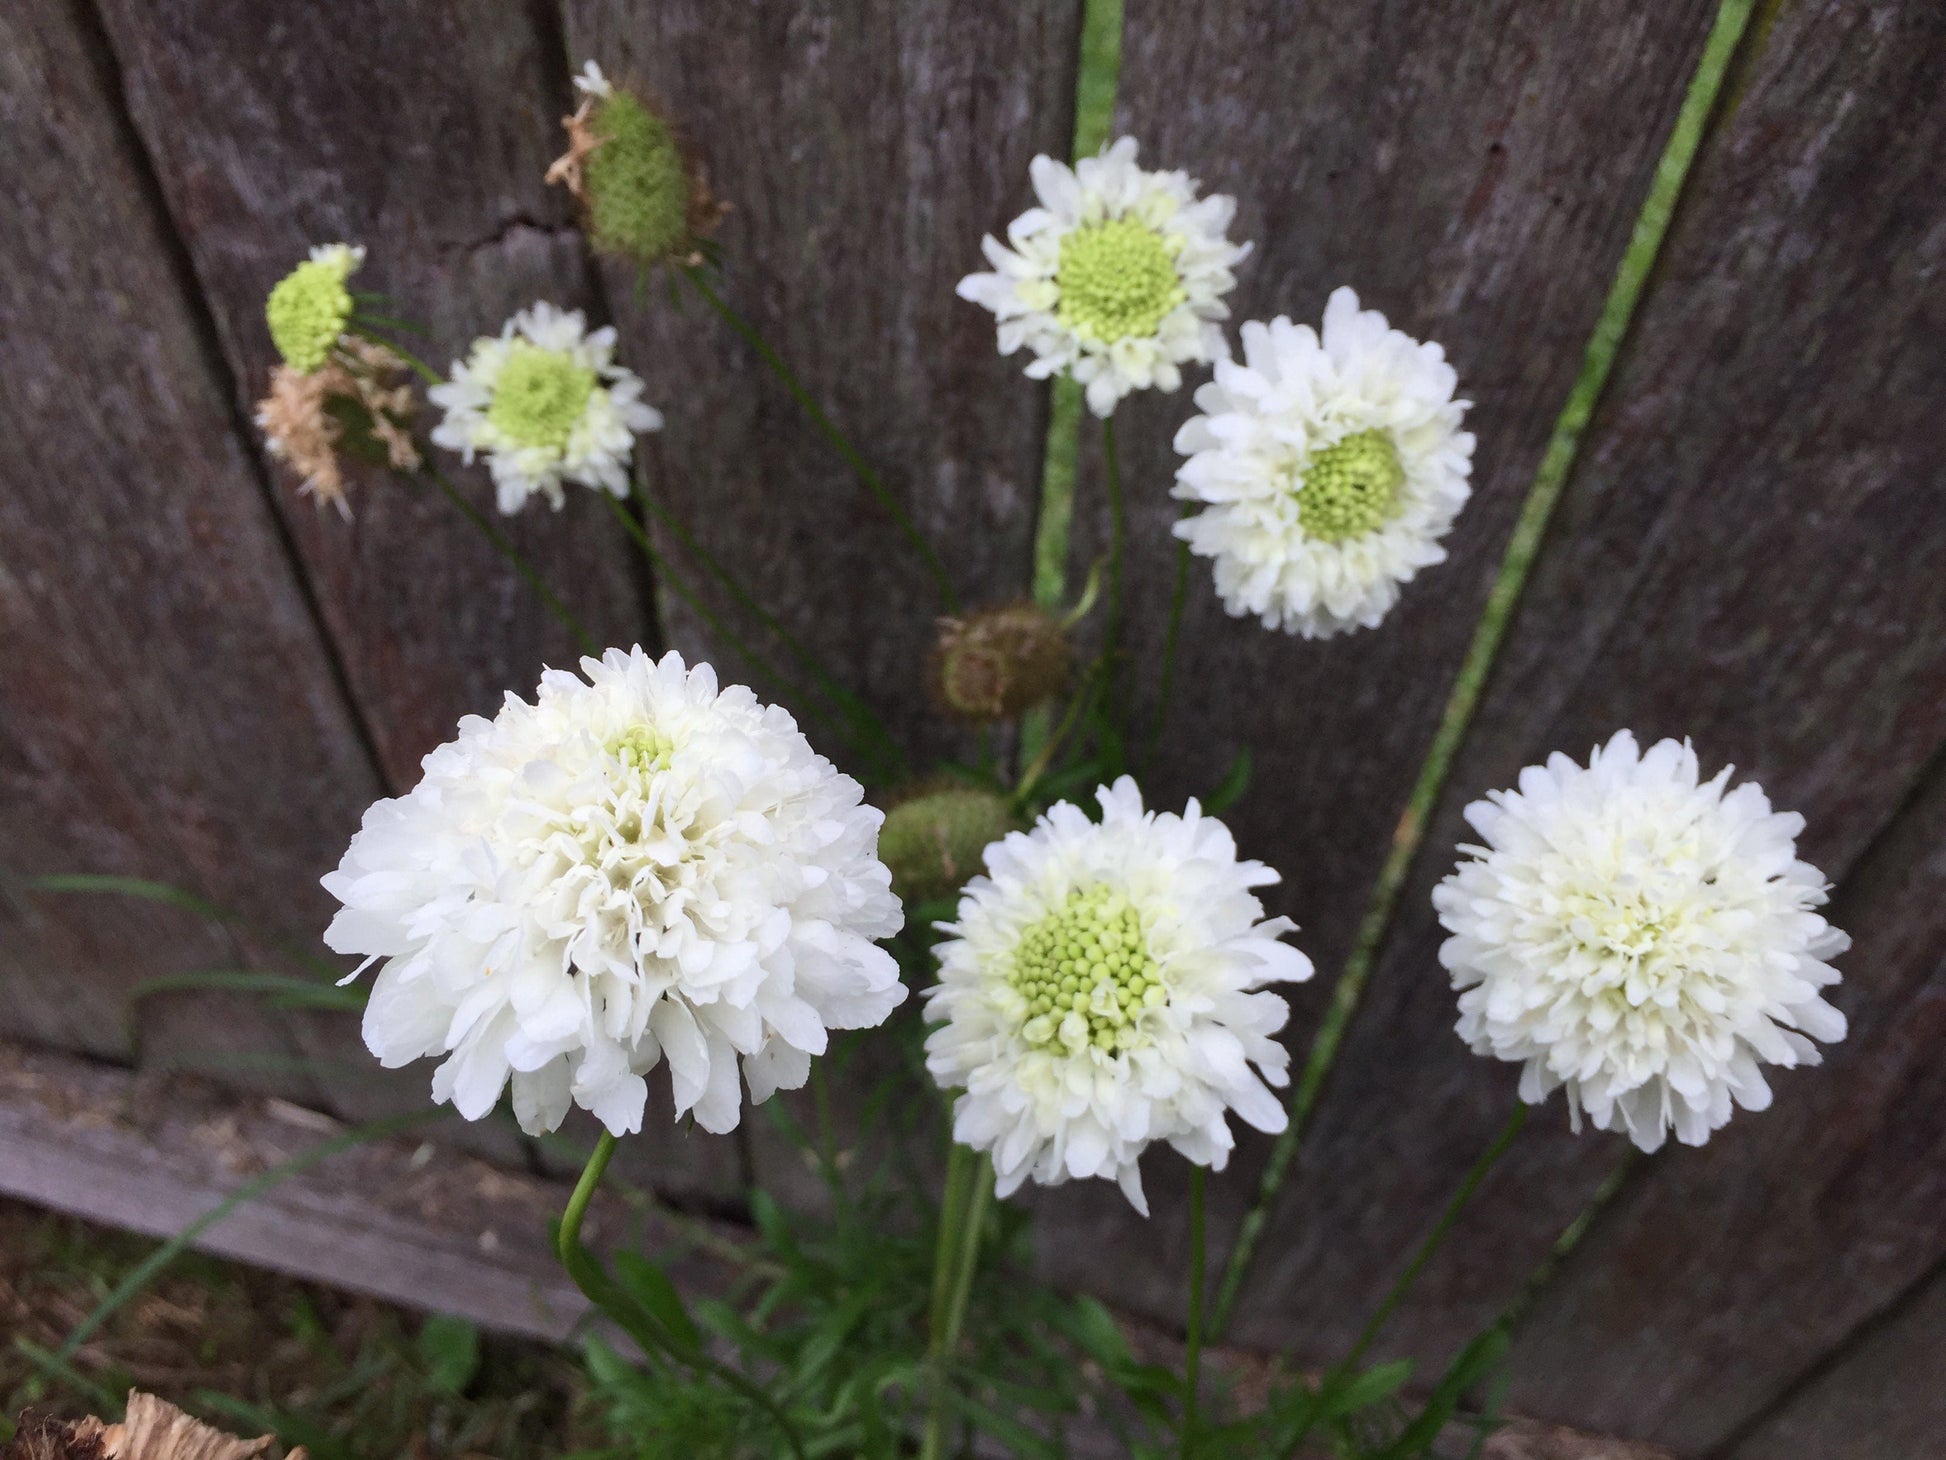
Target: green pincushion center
(539,396)
(1117,279)
(644,747)
(1350,489)
(637,183)
(1086,973)
(307,312)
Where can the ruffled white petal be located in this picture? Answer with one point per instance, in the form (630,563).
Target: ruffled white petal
(1051,1113)
(554,911)
(602,442)
(1640,937)
(1023,292)
(1296,393)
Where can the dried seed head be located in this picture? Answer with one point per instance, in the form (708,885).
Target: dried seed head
(642,192)
(932,841)
(1000,662)
(356,400)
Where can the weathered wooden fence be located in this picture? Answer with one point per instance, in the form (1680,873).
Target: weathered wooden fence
(202,679)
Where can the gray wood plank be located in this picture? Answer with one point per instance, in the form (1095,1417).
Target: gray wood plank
(421,130)
(863,150)
(1474,171)
(1884,1401)
(168,709)
(1750,554)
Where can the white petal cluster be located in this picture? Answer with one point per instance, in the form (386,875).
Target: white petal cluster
(534,445)
(1173,307)
(1642,937)
(1071,1066)
(634,866)
(1303,414)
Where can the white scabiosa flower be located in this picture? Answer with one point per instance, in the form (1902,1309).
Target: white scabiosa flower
(545,403)
(1117,278)
(1104,988)
(1642,937)
(1328,468)
(633,867)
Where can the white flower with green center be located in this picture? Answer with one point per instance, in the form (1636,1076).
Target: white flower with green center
(310,308)
(1642,937)
(1117,278)
(1104,987)
(545,403)
(635,867)
(1328,468)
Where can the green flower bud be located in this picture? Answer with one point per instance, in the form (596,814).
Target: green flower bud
(933,842)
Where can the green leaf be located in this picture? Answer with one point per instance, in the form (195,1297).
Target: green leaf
(1476,1360)
(450,1349)
(289,992)
(1362,1391)
(1229,790)
(649,1286)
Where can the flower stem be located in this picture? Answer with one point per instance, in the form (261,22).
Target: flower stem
(860,467)
(505,547)
(597,1287)
(1447,1219)
(1117,548)
(1169,642)
(865,719)
(666,574)
(962,1212)
(1193,1353)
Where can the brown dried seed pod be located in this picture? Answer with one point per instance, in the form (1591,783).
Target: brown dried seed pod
(1000,662)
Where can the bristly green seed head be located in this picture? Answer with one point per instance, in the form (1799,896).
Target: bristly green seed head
(1086,973)
(1117,279)
(933,843)
(637,184)
(539,396)
(644,747)
(1350,489)
(308,310)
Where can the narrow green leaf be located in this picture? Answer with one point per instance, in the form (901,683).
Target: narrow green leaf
(450,1349)
(649,1286)
(1229,790)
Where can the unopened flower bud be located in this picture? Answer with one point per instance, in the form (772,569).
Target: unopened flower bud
(641,190)
(999,663)
(934,841)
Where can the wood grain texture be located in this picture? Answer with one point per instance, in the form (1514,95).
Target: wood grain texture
(421,130)
(1750,553)
(863,148)
(167,708)
(1474,171)
(1883,1401)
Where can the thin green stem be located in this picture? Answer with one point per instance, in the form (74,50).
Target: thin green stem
(503,545)
(1044,757)
(1624,294)
(1178,594)
(859,466)
(1117,549)
(599,1290)
(1469,1184)
(1570,1238)
(667,575)
(419,367)
(868,723)
(962,1208)
(1193,1353)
